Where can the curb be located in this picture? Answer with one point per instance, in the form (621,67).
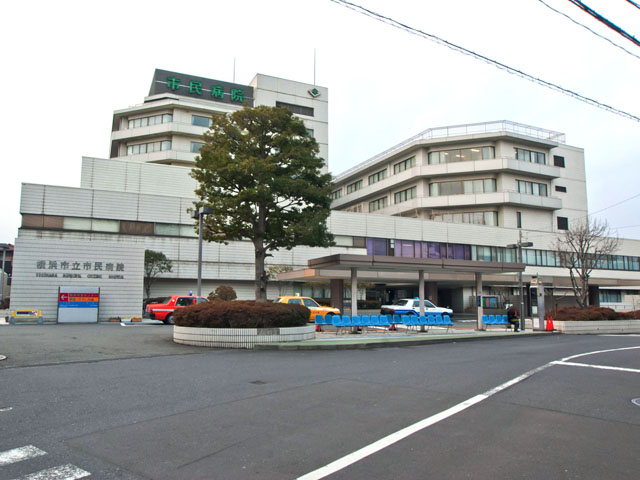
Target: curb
(387,343)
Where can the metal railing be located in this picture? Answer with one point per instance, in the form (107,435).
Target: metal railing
(459,130)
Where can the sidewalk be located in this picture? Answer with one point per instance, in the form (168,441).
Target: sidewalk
(328,340)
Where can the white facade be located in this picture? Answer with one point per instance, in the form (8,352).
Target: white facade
(96,235)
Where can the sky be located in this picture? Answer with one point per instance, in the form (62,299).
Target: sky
(67,65)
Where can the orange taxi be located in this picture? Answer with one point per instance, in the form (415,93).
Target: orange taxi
(311,304)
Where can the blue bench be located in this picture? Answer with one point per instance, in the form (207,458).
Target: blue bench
(410,321)
(500,320)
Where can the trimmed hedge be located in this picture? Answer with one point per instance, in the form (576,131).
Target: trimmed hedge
(591,313)
(242,314)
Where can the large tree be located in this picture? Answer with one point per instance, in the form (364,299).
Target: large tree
(583,247)
(260,172)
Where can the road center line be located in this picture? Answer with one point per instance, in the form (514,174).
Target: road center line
(19,454)
(603,367)
(364,452)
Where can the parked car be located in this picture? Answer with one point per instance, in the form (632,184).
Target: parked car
(411,306)
(311,304)
(164,309)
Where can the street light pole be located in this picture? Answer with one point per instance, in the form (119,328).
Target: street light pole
(199,214)
(519,246)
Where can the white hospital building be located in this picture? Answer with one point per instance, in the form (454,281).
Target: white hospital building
(449,199)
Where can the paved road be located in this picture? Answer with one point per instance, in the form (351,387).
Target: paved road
(126,403)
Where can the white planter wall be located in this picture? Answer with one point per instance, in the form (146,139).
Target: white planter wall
(598,327)
(240,337)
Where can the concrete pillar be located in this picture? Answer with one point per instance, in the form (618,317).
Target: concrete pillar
(480,326)
(421,290)
(354,291)
(337,294)
(432,292)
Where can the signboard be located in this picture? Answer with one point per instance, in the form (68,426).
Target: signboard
(200,88)
(78,304)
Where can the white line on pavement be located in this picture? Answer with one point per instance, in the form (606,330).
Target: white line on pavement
(364,452)
(19,454)
(63,472)
(603,367)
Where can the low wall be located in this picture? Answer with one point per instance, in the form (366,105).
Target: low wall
(598,327)
(240,337)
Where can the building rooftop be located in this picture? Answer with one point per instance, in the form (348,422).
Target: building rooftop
(463,130)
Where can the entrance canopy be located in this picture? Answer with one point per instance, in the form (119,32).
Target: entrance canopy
(386,269)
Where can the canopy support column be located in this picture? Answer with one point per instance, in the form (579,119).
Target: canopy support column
(480,326)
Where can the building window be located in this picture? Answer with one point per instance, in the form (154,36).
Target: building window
(200,121)
(377,204)
(153,120)
(476,218)
(310,132)
(610,296)
(352,187)
(518,219)
(298,109)
(563,223)
(336,194)
(355,209)
(405,195)
(196,146)
(461,155)
(532,188)
(530,156)
(558,161)
(148,147)
(404,165)
(466,187)
(376,177)
(561,189)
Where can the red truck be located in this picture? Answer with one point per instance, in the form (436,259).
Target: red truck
(165,308)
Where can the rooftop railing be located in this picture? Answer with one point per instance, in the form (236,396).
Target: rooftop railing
(460,130)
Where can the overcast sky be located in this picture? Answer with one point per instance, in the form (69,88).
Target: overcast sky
(66,66)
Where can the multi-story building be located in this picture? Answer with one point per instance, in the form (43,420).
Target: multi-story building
(446,202)
(168,127)
(498,174)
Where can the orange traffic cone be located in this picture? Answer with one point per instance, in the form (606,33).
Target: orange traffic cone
(550,328)
(546,322)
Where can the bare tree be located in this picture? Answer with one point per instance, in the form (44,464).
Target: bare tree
(582,248)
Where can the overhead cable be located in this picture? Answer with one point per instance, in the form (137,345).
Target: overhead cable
(592,31)
(608,23)
(465,51)
(633,3)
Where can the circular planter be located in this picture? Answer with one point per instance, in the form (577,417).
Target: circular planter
(240,337)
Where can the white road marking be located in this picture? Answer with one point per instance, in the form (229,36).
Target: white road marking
(364,452)
(62,472)
(6,409)
(19,454)
(411,429)
(603,367)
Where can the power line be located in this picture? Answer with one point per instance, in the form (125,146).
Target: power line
(616,204)
(603,20)
(464,51)
(592,31)
(633,3)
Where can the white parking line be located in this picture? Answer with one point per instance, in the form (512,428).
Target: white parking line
(603,367)
(62,472)
(364,452)
(19,454)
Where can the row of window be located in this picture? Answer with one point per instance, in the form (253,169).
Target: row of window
(352,187)
(404,165)
(196,146)
(530,156)
(149,147)
(374,246)
(336,194)
(398,197)
(475,218)
(153,120)
(200,121)
(532,188)
(463,187)
(376,177)
(461,155)
(456,251)
(377,204)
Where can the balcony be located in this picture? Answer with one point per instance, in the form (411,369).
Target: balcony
(160,129)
